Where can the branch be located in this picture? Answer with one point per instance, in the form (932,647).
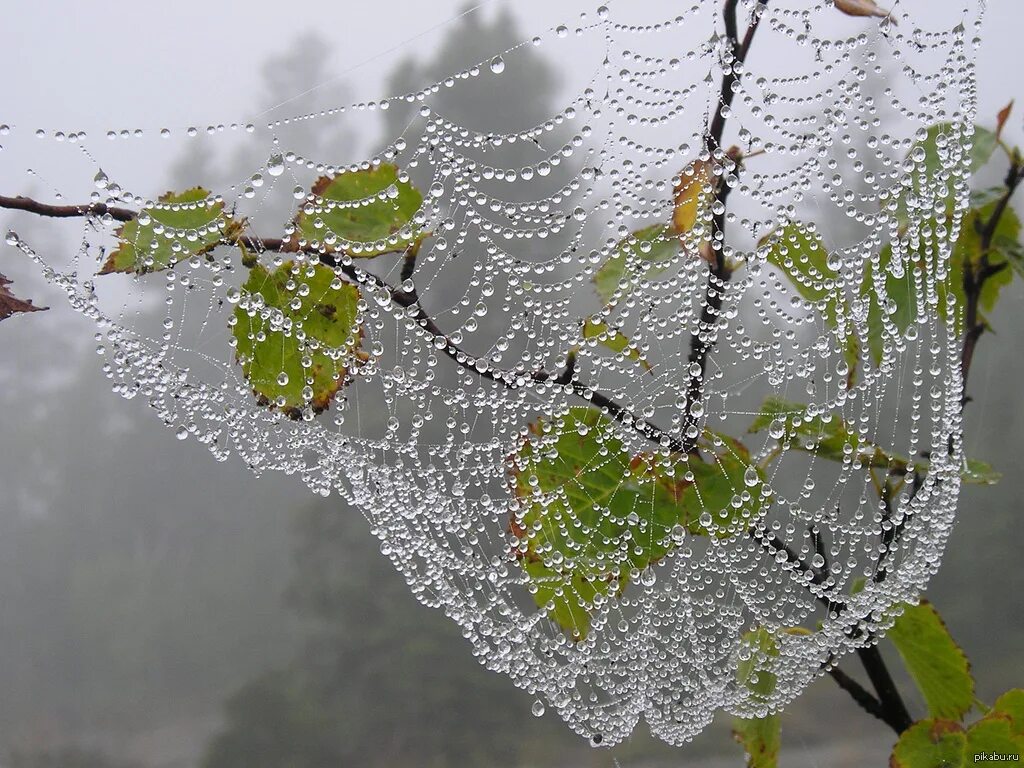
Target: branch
(896,715)
(858,693)
(975,278)
(512,380)
(703,340)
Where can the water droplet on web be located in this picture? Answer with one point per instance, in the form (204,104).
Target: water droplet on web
(100,180)
(751,477)
(538,708)
(275,165)
(497,65)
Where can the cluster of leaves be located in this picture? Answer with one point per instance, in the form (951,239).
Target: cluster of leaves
(591,516)
(942,674)
(933,660)
(296,330)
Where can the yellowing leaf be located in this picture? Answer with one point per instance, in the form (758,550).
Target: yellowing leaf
(362,213)
(291,316)
(614,340)
(178,227)
(934,660)
(693,196)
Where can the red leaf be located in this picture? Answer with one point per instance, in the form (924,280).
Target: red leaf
(1002,117)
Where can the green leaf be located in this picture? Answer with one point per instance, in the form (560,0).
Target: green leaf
(994,734)
(613,339)
(589,515)
(362,213)
(179,226)
(297,312)
(934,660)
(968,250)
(799,252)
(641,256)
(985,142)
(980,473)
(761,737)
(930,744)
(1012,251)
(1011,704)
(827,435)
(901,307)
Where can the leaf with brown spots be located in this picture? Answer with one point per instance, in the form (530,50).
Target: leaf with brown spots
(297,335)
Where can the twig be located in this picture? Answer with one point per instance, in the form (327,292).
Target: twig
(719,273)
(858,693)
(896,714)
(512,380)
(976,277)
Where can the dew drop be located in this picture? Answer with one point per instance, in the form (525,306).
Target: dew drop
(497,65)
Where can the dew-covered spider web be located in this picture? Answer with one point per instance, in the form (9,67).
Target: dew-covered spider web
(667,418)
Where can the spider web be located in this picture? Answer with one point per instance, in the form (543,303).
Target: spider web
(477,363)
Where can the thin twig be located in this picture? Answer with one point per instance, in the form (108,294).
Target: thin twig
(702,341)
(512,380)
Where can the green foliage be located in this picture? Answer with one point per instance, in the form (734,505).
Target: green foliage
(900,309)
(614,339)
(761,737)
(591,516)
(930,744)
(641,256)
(934,660)
(828,436)
(937,743)
(183,225)
(363,213)
(288,369)
(799,252)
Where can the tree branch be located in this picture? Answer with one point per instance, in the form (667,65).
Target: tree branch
(895,711)
(512,380)
(975,277)
(702,341)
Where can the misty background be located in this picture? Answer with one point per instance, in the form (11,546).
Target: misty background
(162,610)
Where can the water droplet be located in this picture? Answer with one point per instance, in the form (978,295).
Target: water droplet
(275,165)
(100,180)
(538,708)
(497,65)
(751,477)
